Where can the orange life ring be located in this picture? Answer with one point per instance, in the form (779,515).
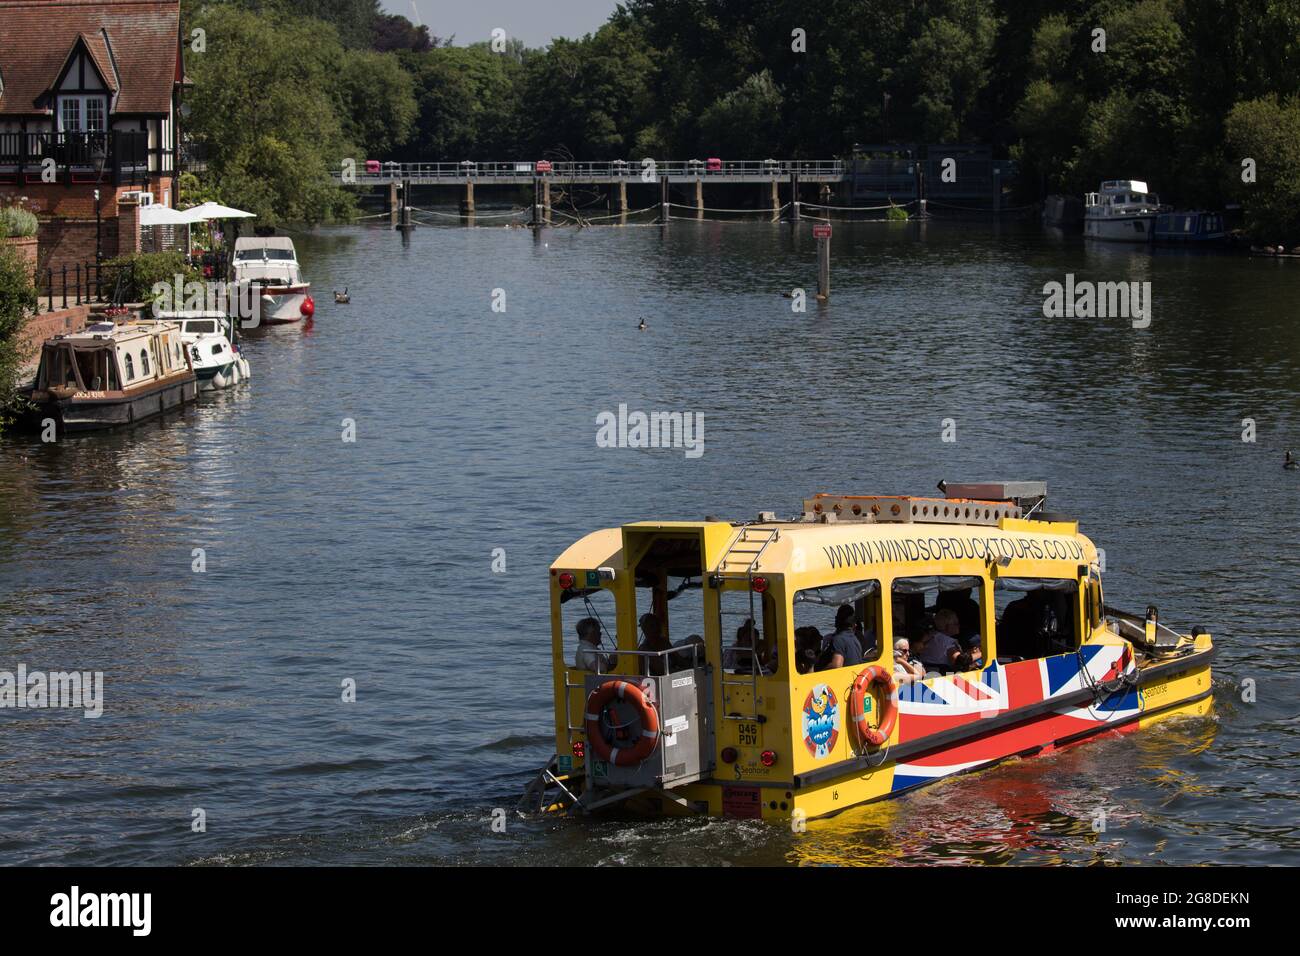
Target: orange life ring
(868,735)
(601,698)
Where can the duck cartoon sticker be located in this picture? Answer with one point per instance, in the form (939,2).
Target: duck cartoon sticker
(821,718)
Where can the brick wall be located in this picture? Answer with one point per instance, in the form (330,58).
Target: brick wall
(41,327)
(71,242)
(78,200)
(26,249)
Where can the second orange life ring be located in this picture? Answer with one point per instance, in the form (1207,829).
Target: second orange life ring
(600,699)
(870,677)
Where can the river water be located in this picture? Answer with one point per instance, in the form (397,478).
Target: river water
(475,430)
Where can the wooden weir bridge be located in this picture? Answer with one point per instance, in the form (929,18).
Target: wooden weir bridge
(770,175)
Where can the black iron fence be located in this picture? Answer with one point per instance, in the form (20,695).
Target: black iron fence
(84,284)
(121,156)
(111,282)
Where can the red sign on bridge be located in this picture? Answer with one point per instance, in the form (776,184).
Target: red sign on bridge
(821,232)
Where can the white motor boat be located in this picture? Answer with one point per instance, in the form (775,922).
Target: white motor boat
(217,361)
(1123,211)
(270,265)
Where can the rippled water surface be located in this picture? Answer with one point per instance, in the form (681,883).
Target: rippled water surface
(476,430)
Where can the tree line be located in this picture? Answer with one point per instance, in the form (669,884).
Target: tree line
(1178,92)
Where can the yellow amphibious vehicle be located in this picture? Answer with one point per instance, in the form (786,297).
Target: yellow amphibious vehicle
(872,644)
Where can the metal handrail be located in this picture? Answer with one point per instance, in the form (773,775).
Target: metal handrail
(627,170)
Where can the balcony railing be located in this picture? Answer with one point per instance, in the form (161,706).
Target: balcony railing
(117,156)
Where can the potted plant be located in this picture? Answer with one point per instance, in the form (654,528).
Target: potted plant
(18,226)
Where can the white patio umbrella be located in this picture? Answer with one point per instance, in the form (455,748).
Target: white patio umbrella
(214,210)
(156,214)
(159,215)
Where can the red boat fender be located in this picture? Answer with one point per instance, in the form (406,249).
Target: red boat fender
(601,698)
(308,307)
(870,677)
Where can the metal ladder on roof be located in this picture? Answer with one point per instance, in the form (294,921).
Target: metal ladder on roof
(748,557)
(738,563)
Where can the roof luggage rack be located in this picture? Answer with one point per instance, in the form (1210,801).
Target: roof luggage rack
(982,503)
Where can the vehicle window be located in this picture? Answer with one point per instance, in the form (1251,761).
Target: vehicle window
(748,625)
(593,609)
(679,607)
(1036,617)
(941,617)
(144,362)
(130,368)
(824,618)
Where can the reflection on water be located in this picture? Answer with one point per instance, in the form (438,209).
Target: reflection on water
(371,560)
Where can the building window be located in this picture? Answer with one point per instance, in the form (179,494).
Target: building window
(70,116)
(80,114)
(95,114)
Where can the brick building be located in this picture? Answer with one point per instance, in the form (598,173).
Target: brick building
(89,103)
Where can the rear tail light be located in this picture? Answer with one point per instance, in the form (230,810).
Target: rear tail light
(579,748)
(566,580)
(759,584)
(729,755)
(767,757)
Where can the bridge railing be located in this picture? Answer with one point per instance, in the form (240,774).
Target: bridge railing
(611,170)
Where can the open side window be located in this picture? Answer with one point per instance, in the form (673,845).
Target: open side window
(941,616)
(1036,617)
(816,611)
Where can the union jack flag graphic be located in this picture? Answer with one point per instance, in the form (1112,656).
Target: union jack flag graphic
(958,699)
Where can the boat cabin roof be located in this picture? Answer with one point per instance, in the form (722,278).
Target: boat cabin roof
(104,334)
(1124,186)
(819,543)
(263,244)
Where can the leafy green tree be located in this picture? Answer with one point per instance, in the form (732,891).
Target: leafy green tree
(264,101)
(1267,130)
(375,101)
(744,122)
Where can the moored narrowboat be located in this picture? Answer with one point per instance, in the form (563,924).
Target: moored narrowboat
(109,375)
(773,669)
(1190,225)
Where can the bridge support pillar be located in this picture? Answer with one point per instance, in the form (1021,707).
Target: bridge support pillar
(825,193)
(546,201)
(665,210)
(392,204)
(467,204)
(699,198)
(774,199)
(618,198)
(796,213)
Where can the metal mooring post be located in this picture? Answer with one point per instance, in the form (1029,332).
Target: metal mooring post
(822,233)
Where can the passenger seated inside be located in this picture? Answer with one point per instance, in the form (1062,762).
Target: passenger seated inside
(654,639)
(740,657)
(967,610)
(589,656)
(690,655)
(1037,625)
(807,648)
(941,650)
(906,670)
(843,649)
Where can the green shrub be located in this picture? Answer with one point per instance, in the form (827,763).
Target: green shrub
(17,300)
(896,214)
(17,223)
(132,278)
